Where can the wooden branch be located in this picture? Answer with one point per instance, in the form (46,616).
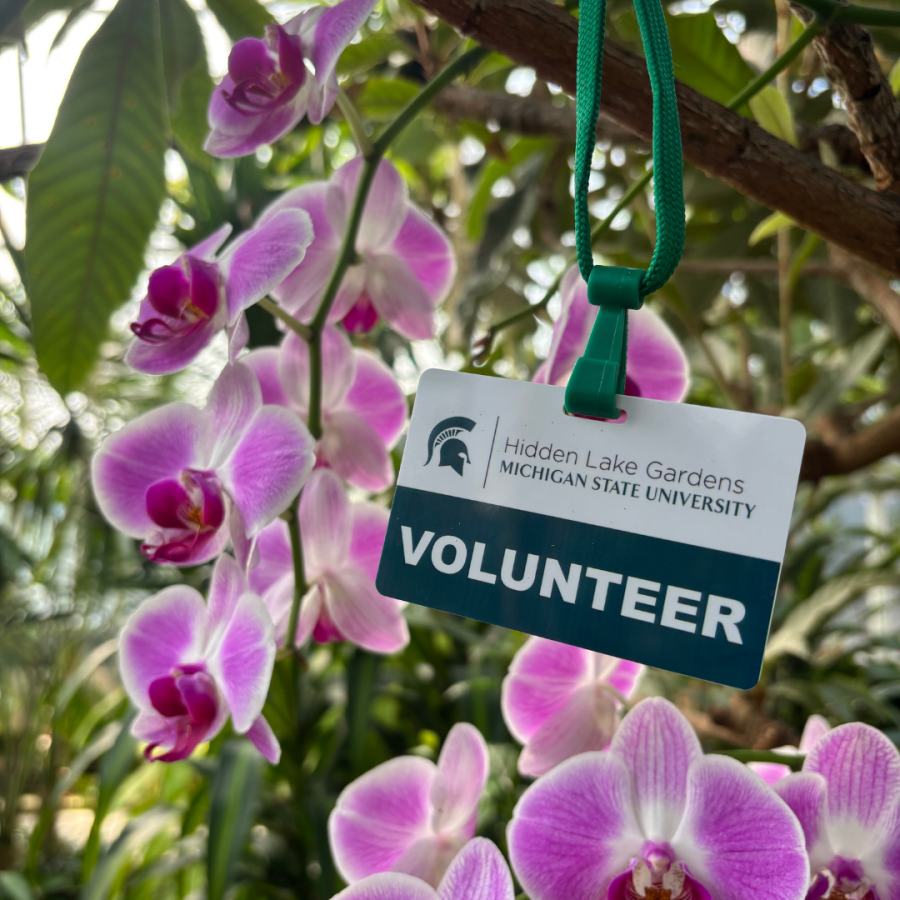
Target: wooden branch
(851,452)
(766,268)
(522,115)
(870,286)
(873,112)
(721,143)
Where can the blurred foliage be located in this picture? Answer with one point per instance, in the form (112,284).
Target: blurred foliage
(81,813)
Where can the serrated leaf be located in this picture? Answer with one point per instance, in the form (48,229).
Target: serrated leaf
(771,110)
(94,197)
(240,18)
(769,226)
(235,793)
(383,98)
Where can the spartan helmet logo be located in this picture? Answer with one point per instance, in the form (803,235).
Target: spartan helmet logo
(453,452)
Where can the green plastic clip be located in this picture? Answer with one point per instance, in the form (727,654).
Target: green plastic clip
(600,374)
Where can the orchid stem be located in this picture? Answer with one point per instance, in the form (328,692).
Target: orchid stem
(736,102)
(347,255)
(355,123)
(300,586)
(271,307)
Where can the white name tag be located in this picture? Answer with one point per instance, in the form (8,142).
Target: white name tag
(658,539)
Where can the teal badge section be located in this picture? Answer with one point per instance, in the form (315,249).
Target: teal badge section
(689,609)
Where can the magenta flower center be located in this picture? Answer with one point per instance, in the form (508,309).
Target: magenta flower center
(187,699)
(657,875)
(844,880)
(189,511)
(185,295)
(266,73)
(362,316)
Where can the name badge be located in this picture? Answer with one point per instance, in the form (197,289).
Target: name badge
(658,539)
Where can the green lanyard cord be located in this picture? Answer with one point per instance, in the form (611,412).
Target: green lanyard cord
(667,161)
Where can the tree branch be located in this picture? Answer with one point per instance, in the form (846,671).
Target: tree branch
(522,115)
(721,143)
(848,57)
(851,452)
(869,285)
(17,162)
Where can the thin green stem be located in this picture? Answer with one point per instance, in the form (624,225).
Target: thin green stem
(862,15)
(314,419)
(462,64)
(300,586)
(357,129)
(271,307)
(736,102)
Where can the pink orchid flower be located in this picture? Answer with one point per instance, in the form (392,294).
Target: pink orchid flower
(654,818)
(184,480)
(274,82)
(656,365)
(408,814)
(560,700)
(363,408)
(187,666)
(406,267)
(341,549)
(479,872)
(191,301)
(815,729)
(847,799)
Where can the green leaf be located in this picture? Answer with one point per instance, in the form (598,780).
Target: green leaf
(240,18)
(13,886)
(894,77)
(7,335)
(188,82)
(703,57)
(235,792)
(771,110)
(383,98)
(94,197)
(360,58)
(770,226)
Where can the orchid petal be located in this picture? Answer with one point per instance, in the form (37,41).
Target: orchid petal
(388,886)
(478,872)
(354,449)
(658,746)
(275,558)
(227,586)
(338,369)
(815,729)
(269,466)
(376,398)
(399,297)
(462,774)
(364,616)
(386,205)
(804,793)
(164,632)
(570,330)
(574,829)
(153,447)
(656,365)
(542,677)
(173,355)
(771,773)
(263,738)
(234,400)
(586,721)
(862,770)
(263,363)
(238,337)
(242,655)
(234,134)
(427,252)
(381,814)
(367,531)
(260,259)
(243,545)
(625,676)
(324,522)
(739,839)
(300,290)
(210,245)
(334,30)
